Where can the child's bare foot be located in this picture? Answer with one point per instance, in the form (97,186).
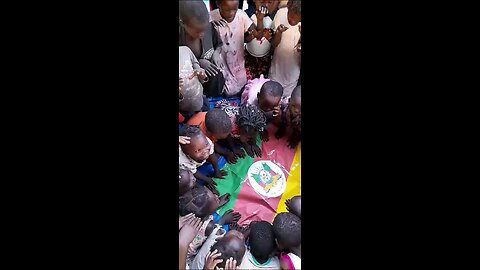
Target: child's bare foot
(224,199)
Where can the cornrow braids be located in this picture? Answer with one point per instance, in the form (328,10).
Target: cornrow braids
(251,118)
(195,201)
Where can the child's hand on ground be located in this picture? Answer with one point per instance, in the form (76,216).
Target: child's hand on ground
(292,143)
(250,151)
(213,188)
(183,140)
(238,152)
(294,206)
(231,158)
(224,199)
(184,219)
(220,174)
(211,260)
(210,68)
(264,135)
(257,150)
(189,231)
(230,217)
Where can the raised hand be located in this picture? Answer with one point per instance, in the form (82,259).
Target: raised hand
(211,260)
(183,140)
(185,219)
(257,150)
(231,264)
(210,68)
(189,231)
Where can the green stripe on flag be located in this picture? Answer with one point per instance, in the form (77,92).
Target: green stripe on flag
(232,183)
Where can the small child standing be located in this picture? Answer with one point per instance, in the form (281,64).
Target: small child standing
(285,67)
(237,30)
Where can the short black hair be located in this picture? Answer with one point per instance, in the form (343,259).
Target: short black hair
(227,252)
(182,186)
(190,131)
(217,121)
(195,201)
(250,118)
(262,240)
(193,9)
(297,91)
(287,229)
(295,6)
(272,88)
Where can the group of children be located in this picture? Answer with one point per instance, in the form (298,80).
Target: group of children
(252,56)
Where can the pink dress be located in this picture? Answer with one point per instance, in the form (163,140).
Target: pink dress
(233,50)
(252,88)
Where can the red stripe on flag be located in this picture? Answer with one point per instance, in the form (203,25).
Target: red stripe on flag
(249,203)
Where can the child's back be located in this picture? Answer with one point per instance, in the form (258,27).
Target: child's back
(262,246)
(285,67)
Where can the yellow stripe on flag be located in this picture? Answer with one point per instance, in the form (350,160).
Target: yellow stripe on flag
(294,182)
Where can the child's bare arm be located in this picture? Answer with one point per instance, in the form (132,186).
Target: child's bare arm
(213,158)
(250,33)
(236,150)
(231,158)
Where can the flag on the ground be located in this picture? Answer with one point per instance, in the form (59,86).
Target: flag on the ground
(260,186)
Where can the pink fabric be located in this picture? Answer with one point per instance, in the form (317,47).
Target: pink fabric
(284,257)
(252,88)
(233,50)
(253,206)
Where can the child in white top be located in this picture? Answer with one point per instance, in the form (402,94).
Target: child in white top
(235,28)
(285,67)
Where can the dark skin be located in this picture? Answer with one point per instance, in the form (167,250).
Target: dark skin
(195,32)
(239,153)
(293,19)
(199,150)
(229,217)
(249,143)
(186,181)
(288,126)
(231,157)
(294,206)
(228,10)
(270,105)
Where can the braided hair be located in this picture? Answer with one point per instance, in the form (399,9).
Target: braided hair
(251,119)
(195,201)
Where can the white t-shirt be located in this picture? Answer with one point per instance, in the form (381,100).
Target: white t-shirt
(260,48)
(233,50)
(249,262)
(285,67)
